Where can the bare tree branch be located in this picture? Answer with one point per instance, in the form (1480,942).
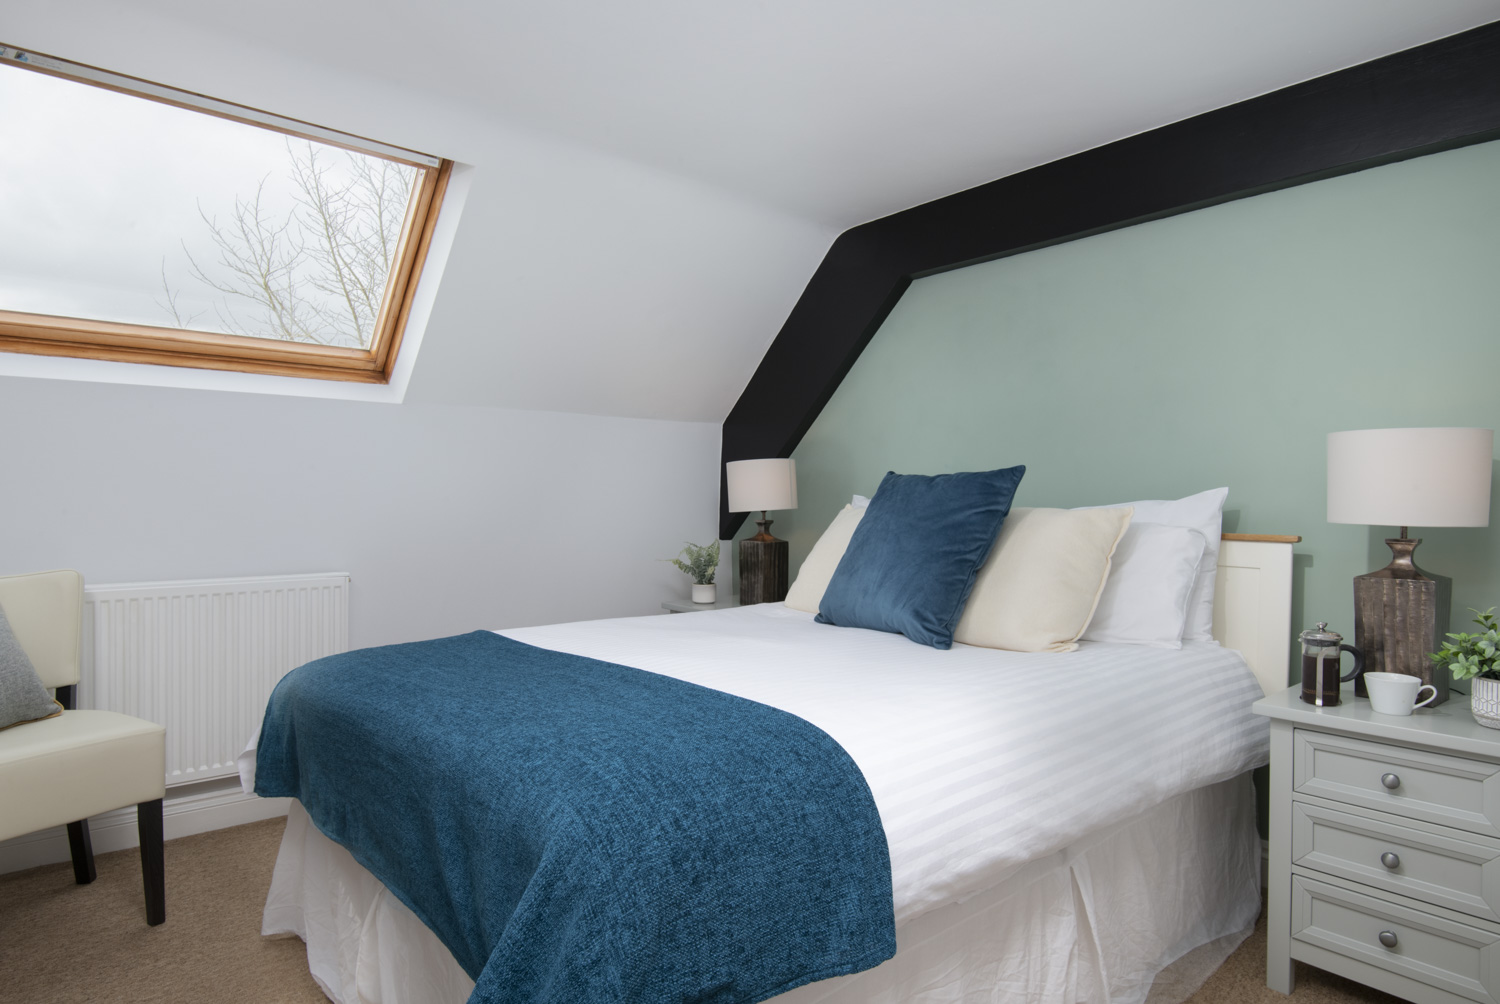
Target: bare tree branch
(170,304)
(319,273)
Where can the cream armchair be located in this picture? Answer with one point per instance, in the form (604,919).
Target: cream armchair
(80,763)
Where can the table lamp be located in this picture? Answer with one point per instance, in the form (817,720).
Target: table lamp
(1407,477)
(764,560)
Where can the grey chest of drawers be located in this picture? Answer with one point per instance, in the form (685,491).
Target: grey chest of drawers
(1385,848)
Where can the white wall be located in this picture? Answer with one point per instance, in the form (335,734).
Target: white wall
(449,518)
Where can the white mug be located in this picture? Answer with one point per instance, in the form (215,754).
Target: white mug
(1396,693)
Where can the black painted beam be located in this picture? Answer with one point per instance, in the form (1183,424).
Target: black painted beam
(1437,96)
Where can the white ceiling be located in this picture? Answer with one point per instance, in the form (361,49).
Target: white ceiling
(843,110)
(654,182)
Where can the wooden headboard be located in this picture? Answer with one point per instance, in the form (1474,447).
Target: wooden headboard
(1253,604)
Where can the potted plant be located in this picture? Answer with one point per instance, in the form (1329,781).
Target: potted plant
(702,562)
(1477,657)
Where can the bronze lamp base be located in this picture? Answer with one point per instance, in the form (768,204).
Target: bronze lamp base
(1401,617)
(764,563)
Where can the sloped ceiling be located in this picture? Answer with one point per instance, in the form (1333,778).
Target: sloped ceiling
(654,182)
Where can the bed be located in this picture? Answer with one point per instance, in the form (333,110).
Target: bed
(1075,827)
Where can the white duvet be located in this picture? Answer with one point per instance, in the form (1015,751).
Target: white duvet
(979,760)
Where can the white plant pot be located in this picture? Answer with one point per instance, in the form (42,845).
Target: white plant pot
(1484,701)
(710,593)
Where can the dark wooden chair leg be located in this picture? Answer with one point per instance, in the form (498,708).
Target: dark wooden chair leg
(82,849)
(153,870)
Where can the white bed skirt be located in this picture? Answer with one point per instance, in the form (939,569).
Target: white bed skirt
(1098,922)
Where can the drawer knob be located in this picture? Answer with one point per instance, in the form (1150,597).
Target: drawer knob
(1391,860)
(1391,781)
(1388,939)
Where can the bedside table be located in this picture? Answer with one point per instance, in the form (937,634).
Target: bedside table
(688,606)
(1385,848)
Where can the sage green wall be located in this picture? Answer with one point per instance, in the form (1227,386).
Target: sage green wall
(1218,347)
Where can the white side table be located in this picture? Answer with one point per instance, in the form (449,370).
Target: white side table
(688,606)
(1385,848)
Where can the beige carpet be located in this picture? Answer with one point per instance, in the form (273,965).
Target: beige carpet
(62,943)
(67,943)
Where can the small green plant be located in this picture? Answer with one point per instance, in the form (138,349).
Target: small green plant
(1471,655)
(702,561)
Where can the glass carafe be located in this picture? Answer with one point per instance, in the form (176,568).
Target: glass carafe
(1321,651)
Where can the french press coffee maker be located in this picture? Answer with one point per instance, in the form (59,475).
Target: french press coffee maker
(1321,651)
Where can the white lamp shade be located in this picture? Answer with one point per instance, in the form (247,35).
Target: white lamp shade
(1410,477)
(761,484)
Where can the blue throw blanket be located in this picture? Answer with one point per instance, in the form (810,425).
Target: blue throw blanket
(579,832)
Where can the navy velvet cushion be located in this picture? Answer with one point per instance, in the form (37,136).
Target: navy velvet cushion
(913,558)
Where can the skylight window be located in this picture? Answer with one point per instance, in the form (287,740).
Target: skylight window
(143,224)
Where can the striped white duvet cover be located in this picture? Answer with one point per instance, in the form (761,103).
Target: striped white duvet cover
(979,760)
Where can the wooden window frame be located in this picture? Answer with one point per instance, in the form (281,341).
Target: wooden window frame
(86,338)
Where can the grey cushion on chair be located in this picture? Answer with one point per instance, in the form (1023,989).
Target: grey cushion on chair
(22,696)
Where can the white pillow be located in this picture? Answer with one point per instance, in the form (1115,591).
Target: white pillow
(812,578)
(1203,512)
(1038,590)
(860,502)
(1145,601)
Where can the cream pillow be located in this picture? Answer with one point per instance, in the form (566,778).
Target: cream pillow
(1038,590)
(812,578)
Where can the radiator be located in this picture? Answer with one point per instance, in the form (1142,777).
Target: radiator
(202,657)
